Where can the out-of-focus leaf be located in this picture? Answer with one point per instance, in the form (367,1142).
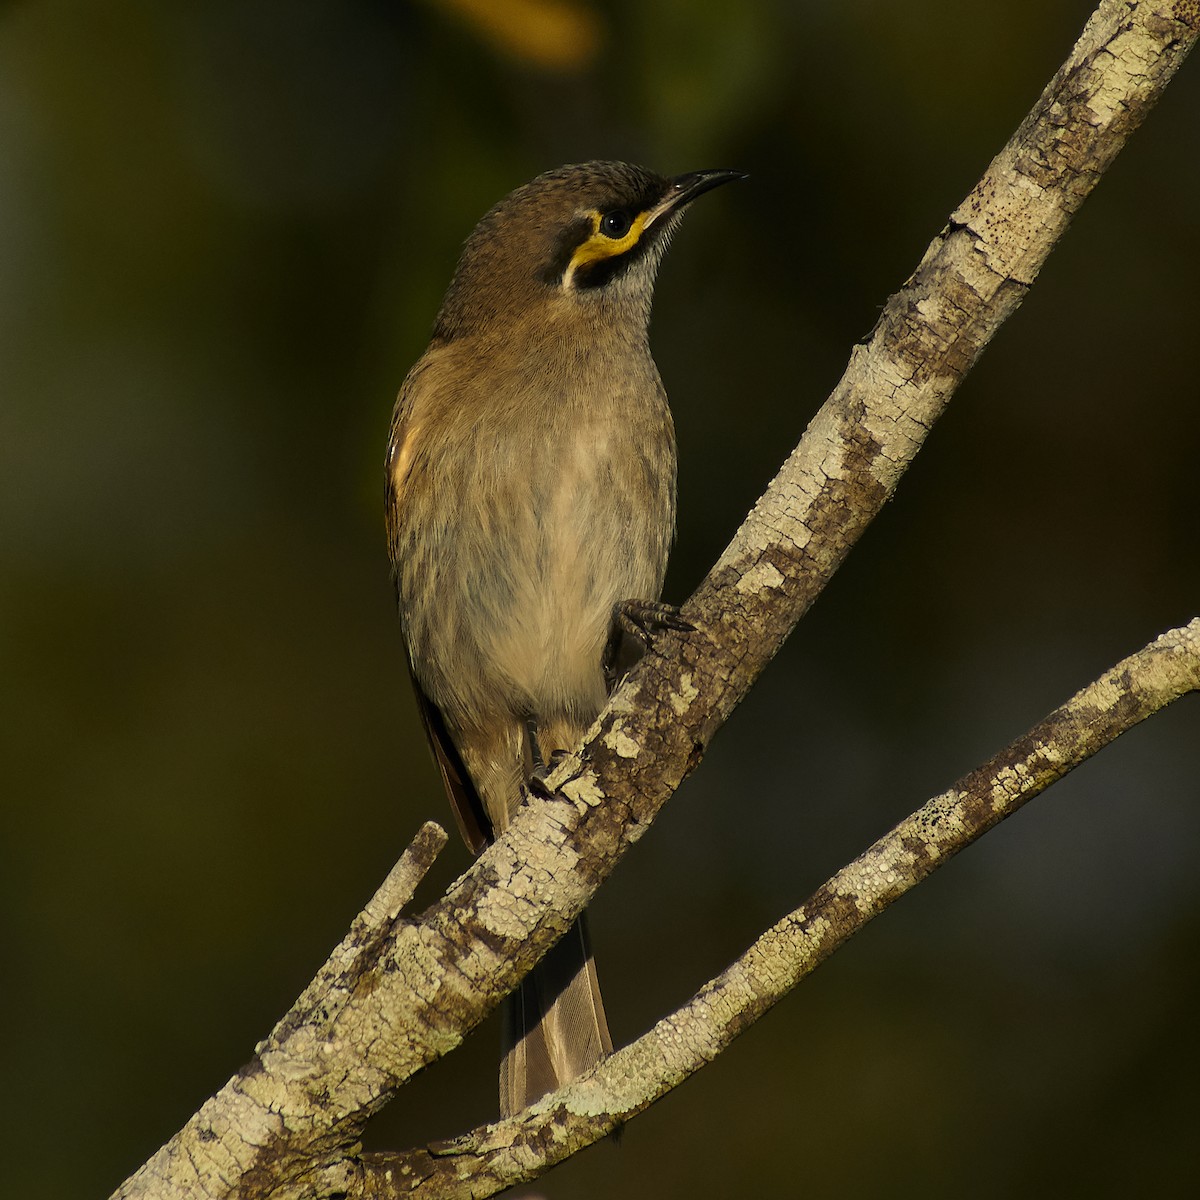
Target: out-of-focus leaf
(554,34)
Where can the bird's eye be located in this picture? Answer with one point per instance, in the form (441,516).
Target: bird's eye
(615,224)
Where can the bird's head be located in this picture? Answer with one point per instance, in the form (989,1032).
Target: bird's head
(574,238)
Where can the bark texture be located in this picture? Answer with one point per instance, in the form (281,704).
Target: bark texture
(507,1153)
(409,990)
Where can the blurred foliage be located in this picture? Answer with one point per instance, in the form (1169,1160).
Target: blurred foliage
(544,33)
(225,230)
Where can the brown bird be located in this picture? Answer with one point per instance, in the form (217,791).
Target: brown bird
(530,508)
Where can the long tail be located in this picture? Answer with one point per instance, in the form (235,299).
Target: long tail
(554,1024)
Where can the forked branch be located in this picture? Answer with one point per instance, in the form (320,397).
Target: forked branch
(507,1153)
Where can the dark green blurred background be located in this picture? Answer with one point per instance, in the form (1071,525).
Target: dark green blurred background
(224,231)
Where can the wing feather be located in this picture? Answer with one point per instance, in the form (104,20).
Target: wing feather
(403,441)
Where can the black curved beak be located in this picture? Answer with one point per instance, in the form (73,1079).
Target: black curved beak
(685,188)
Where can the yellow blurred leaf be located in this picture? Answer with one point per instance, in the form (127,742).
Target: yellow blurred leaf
(554,34)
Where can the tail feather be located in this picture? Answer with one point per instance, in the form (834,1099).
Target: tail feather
(554,1024)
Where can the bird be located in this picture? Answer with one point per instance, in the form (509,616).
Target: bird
(530,494)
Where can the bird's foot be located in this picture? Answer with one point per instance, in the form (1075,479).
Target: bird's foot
(542,771)
(642,619)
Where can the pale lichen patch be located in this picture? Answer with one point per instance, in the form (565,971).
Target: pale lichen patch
(584,791)
(620,743)
(761,575)
(1106,691)
(589,1099)
(681,699)
(865,883)
(500,911)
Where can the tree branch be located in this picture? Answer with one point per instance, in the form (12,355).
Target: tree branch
(292,1116)
(506,1153)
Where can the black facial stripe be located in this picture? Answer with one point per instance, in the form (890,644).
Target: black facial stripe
(595,274)
(604,270)
(569,241)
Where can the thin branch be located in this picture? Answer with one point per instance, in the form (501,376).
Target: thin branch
(239,1129)
(359,950)
(506,1153)
(294,1113)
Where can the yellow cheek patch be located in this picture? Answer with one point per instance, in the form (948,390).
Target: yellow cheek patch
(599,246)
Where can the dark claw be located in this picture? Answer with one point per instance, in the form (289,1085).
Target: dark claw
(542,771)
(642,619)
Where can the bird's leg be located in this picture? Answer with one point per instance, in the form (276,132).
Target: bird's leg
(541,768)
(642,619)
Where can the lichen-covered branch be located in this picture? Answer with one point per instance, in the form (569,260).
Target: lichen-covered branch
(287,1124)
(510,1152)
(238,1147)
